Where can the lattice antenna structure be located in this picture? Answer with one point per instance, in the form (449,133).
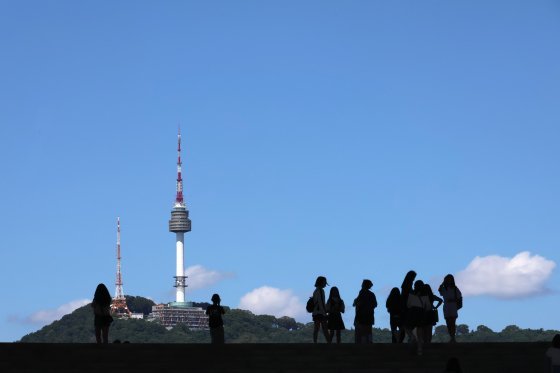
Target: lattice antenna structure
(118,305)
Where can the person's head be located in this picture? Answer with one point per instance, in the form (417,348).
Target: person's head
(394,295)
(408,280)
(453,365)
(428,290)
(418,285)
(556,341)
(367,284)
(321,282)
(216,299)
(102,295)
(334,294)
(449,281)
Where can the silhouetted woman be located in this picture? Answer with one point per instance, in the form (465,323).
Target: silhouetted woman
(101,305)
(215,321)
(432,318)
(406,289)
(394,307)
(335,309)
(452,302)
(320,309)
(418,305)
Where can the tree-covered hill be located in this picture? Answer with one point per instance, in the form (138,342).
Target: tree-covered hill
(243,327)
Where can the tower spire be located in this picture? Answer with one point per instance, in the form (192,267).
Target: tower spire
(179,196)
(118,305)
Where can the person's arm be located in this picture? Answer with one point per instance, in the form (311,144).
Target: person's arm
(342,306)
(323,306)
(436,299)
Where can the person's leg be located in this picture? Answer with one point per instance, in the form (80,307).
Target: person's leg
(427,334)
(419,339)
(337,336)
(394,335)
(410,333)
(316,326)
(105,331)
(451,328)
(326,330)
(97,334)
(220,337)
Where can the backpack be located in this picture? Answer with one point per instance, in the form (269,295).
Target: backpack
(458,300)
(310,305)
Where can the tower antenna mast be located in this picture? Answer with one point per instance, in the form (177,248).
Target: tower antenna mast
(118,305)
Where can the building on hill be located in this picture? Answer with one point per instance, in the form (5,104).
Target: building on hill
(137,316)
(172,314)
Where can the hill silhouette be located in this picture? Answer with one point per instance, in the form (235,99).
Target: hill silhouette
(242,326)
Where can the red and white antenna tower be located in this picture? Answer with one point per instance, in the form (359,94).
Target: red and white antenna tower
(118,305)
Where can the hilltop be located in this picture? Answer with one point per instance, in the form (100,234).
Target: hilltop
(242,326)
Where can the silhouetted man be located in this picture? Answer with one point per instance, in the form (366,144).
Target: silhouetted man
(365,304)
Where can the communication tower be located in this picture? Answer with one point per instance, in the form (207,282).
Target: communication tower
(118,305)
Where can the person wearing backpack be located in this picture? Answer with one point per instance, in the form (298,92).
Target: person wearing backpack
(335,309)
(215,321)
(452,302)
(365,304)
(319,312)
(418,304)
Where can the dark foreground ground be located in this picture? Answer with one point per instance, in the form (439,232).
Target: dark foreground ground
(269,358)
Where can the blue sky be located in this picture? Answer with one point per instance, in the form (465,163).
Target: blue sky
(355,139)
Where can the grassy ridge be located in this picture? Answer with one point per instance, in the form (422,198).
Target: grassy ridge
(243,327)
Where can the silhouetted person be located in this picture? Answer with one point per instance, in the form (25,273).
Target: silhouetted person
(394,307)
(365,305)
(553,356)
(319,313)
(452,302)
(335,309)
(418,303)
(433,317)
(101,305)
(215,321)
(453,366)
(406,289)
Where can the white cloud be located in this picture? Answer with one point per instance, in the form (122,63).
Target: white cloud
(47,316)
(521,276)
(272,301)
(200,277)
